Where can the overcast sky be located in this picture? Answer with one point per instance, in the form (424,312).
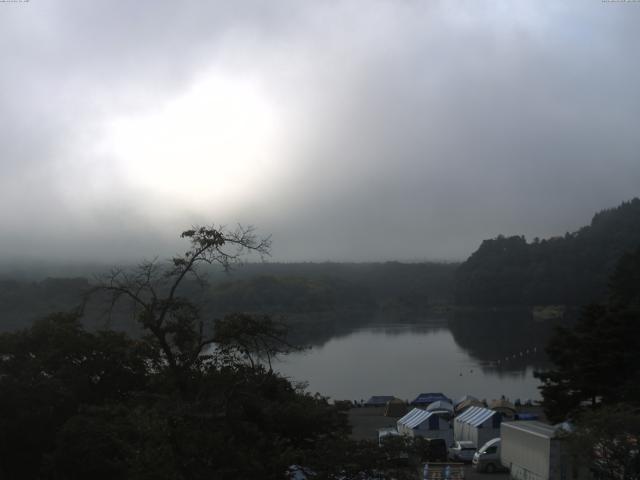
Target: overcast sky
(349,130)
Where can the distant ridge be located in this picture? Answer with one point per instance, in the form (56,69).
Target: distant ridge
(568,270)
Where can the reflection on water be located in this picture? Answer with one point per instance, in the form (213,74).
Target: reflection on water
(502,343)
(485,357)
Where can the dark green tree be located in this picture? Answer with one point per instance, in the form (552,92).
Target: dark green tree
(596,361)
(605,442)
(47,372)
(243,337)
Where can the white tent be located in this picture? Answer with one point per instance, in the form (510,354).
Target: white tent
(478,425)
(420,423)
(503,406)
(464,398)
(463,405)
(440,406)
(465,401)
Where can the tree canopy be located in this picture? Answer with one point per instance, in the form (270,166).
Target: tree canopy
(596,361)
(568,270)
(605,441)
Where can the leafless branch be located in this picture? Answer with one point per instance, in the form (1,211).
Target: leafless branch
(153,288)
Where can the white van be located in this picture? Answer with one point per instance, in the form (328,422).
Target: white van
(487,458)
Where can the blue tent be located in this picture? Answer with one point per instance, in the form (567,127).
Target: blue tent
(378,401)
(425,399)
(526,416)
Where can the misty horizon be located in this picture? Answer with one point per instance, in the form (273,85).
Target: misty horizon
(350,131)
(40,268)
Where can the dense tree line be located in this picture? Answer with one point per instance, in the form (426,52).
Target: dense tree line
(389,283)
(568,270)
(288,295)
(293,290)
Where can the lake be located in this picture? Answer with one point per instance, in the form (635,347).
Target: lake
(483,357)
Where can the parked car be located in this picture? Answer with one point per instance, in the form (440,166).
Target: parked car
(462,451)
(487,458)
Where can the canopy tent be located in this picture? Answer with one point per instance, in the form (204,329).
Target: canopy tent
(464,398)
(442,409)
(503,406)
(421,423)
(424,399)
(440,406)
(470,402)
(478,425)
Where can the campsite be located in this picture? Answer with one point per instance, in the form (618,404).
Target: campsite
(466,419)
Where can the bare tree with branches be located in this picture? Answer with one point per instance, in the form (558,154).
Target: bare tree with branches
(154,290)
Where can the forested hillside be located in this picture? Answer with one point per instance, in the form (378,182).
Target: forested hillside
(504,271)
(303,287)
(568,270)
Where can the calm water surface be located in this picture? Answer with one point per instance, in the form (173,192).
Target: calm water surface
(403,359)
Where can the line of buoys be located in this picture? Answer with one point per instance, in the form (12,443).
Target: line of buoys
(521,353)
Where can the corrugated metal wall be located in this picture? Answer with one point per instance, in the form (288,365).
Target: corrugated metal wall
(527,455)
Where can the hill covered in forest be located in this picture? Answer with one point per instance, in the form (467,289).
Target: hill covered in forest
(568,270)
(299,287)
(505,271)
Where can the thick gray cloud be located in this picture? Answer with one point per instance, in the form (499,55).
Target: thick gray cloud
(354,130)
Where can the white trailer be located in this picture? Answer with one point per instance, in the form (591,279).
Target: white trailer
(533,451)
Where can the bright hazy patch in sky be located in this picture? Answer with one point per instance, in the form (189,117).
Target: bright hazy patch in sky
(212,143)
(349,130)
